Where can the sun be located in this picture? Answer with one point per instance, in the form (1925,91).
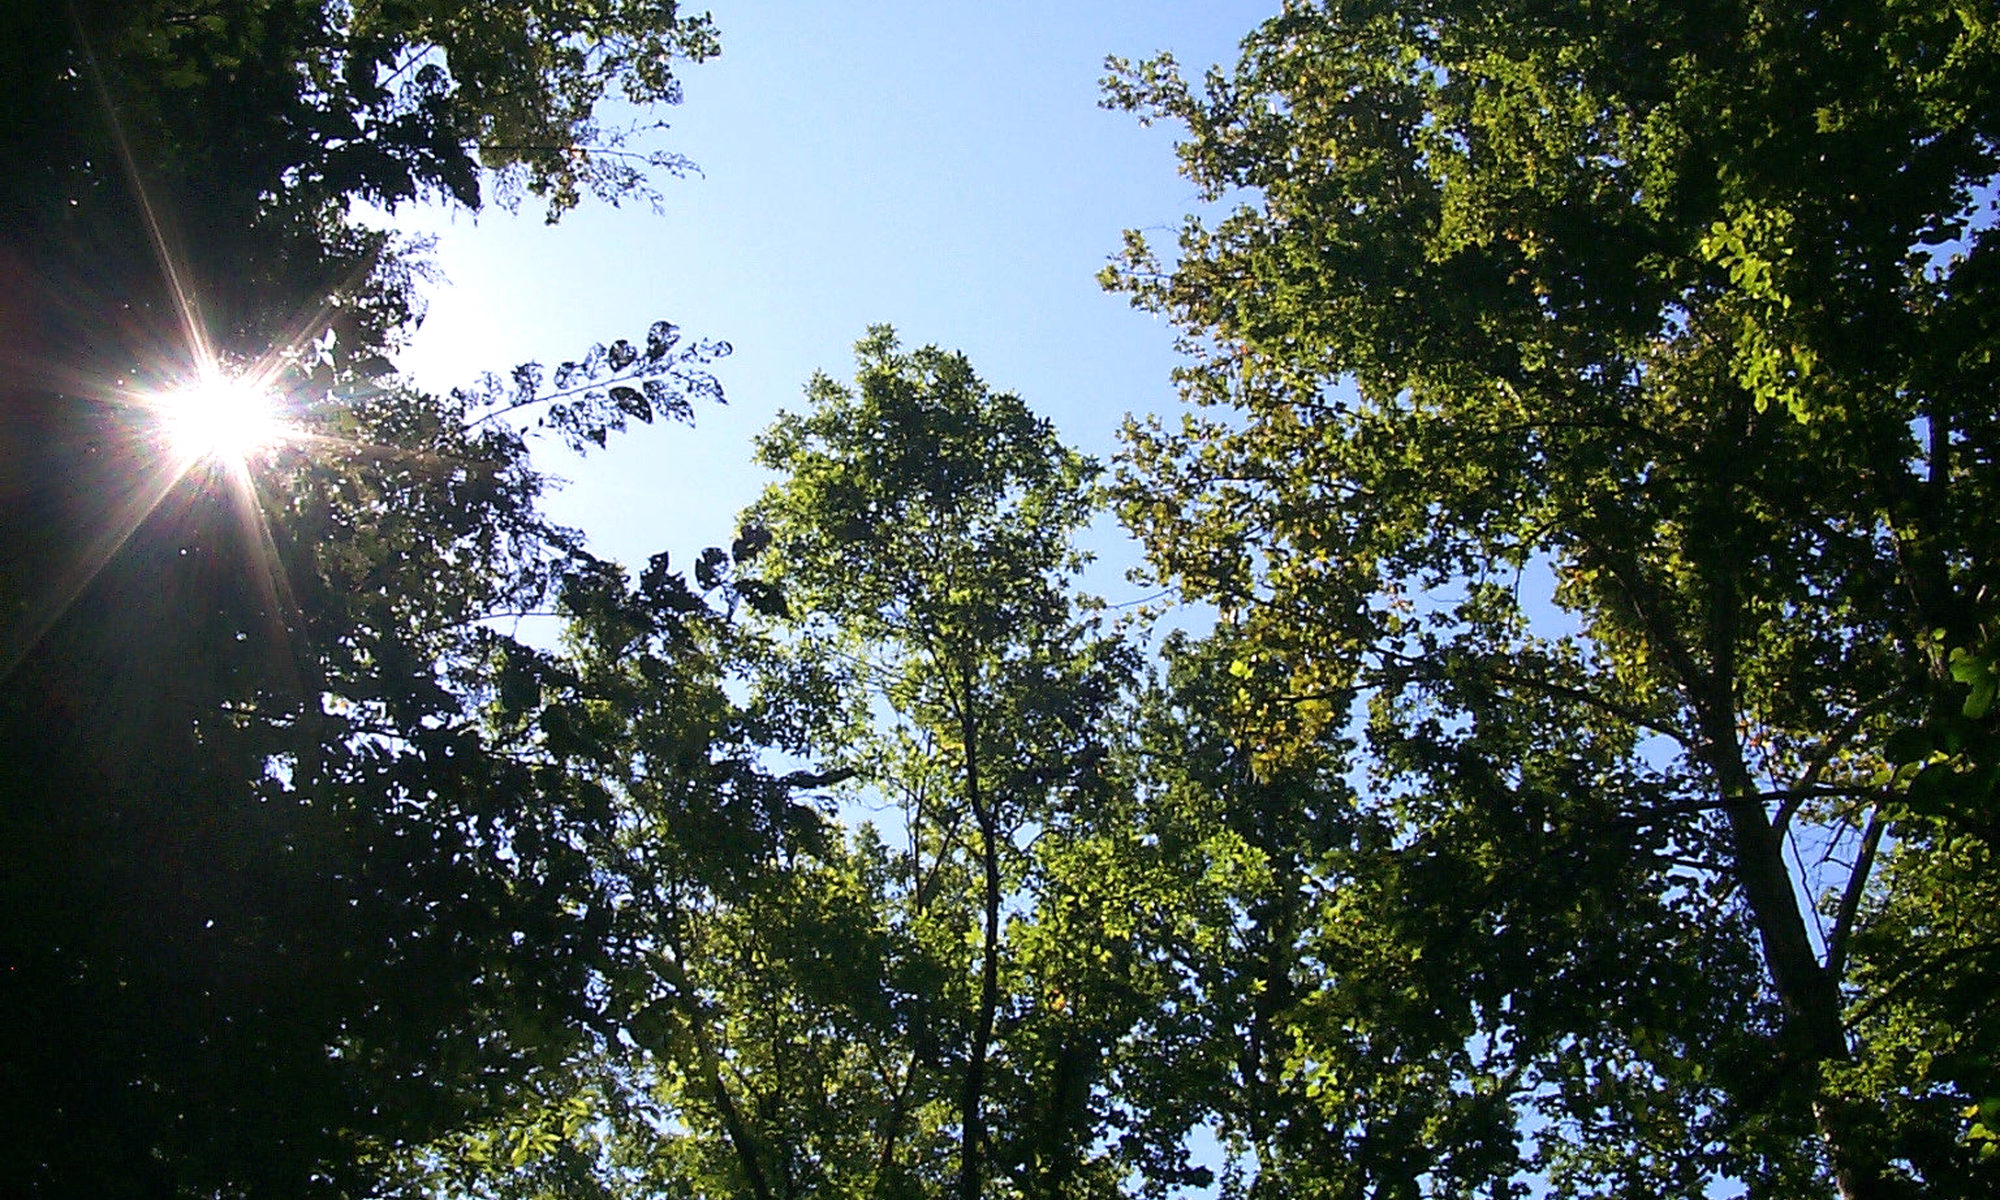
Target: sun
(219,418)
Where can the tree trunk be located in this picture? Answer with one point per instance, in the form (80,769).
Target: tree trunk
(1808,992)
(972,1107)
(733,1125)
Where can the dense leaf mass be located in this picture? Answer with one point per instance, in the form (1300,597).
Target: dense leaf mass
(1605,409)
(924,536)
(1587,787)
(284,893)
(306,853)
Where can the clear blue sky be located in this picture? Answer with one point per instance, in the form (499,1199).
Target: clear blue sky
(942,167)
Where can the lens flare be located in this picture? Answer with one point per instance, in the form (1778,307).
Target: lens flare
(219,418)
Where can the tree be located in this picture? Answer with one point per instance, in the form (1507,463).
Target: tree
(285,893)
(1679,319)
(283,900)
(921,540)
(184,176)
(796,1005)
(253,128)
(726,910)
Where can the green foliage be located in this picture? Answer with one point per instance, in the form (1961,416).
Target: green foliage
(921,504)
(1672,317)
(303,859)
(1594,469)
(925,527)
(235,138)
(936,1007)
(290,888)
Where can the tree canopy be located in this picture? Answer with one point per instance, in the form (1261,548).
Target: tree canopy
(922,537)
(169,155)
(1606,413)
(1587,785)
(300,860)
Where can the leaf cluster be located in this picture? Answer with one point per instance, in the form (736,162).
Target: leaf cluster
(1596,435)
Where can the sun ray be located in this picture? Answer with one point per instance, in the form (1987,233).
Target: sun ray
(192,327)
(148,487)
(204,428)
(209,418)
(221,411)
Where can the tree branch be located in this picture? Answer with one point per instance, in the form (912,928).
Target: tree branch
(1867,1008)
(1850,900)
(1806,784)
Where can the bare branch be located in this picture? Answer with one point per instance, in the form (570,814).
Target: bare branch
(1850,899)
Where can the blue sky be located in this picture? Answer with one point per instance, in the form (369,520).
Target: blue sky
(942,167)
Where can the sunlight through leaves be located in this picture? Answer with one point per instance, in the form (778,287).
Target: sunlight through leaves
(219,419)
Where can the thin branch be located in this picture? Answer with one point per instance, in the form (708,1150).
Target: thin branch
(1798,860)
(1828,749)
(1867,1008)
(652,158)
(738,1132)
(1807,782)
(1850,900)
(562,394)
(1792,796)
(818,779)
(892,1126)
(1614,708)
(1698,864)
(415,56)
(1624,712)
(1649,609)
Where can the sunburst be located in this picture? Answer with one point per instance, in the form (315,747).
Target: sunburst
(218,418)
(204,430)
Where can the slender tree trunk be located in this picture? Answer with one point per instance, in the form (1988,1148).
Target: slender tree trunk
(973,1105)
(711,1064)
(1808,990)
(892,1129)
(732,1118)
(1809,993)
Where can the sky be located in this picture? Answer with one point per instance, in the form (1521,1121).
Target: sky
(942,167)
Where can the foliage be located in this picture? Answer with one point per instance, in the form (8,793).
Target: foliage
(234,138)
(907,1012)
(1676,318)
(1590,781)
(697,849)
(285,896)
(925,525)
(299,864)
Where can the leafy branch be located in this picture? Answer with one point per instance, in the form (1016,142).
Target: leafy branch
(586,400)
